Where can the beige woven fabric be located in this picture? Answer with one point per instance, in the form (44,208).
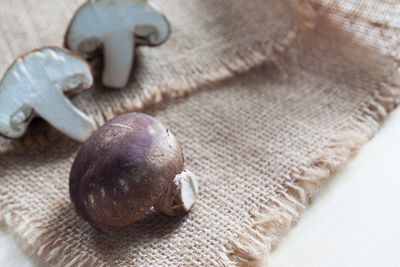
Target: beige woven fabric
(267,98)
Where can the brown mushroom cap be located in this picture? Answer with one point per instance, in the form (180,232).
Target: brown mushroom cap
(123,169)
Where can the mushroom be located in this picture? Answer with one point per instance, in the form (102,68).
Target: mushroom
(35,85)
(117,26)
(127,166)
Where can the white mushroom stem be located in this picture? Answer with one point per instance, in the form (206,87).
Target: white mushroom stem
(118,56)
(117,26)
(181,195)
(52,105)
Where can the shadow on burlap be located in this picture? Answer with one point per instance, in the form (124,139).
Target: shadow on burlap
(266,97)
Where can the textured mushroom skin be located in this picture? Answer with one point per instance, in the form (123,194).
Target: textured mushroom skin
(123,169)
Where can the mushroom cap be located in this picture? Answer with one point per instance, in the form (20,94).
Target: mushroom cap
(123,169)
(30,75)
(95,20)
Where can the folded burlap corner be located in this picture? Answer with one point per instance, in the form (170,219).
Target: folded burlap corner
(266,97)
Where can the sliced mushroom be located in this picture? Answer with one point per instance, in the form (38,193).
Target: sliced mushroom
(117,26)
(35,85)
(127,166)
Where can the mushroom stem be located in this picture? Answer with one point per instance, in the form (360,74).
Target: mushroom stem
(52,105)
(180,196)
(118,56)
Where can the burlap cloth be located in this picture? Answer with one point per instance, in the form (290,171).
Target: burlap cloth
(266,97)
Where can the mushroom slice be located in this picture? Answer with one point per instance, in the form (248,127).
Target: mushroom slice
(35,85)
(116,26)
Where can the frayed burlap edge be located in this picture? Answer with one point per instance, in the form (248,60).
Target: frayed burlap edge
(225,67)
(252,246)
(40,244)
(196,76)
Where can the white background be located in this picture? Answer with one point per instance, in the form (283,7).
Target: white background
(355,220)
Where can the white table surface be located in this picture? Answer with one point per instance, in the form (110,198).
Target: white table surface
(354,221)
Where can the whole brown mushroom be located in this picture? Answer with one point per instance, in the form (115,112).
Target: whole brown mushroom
(127,166)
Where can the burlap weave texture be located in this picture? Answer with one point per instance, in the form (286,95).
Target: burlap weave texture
(266,97)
